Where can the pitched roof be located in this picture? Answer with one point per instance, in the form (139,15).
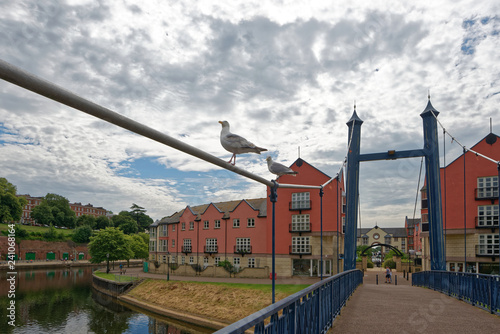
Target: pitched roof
(258,204)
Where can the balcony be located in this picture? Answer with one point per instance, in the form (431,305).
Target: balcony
(187,249)
(487,222)
(487,250)
(486,193)
(242,250)
(211,249)
(299,205)
(300,250)
(299,227)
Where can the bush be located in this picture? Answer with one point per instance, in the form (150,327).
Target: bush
(369,264)
(390,263)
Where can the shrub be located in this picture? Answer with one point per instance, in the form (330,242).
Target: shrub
(390,263)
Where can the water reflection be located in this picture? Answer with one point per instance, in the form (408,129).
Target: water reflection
(63,301)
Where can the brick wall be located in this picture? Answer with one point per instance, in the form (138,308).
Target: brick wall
(41,248)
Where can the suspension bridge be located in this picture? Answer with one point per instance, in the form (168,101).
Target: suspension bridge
(314,309)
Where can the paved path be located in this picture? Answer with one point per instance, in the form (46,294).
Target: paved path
(390,308)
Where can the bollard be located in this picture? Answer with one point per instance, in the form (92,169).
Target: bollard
(404,273)
(395,279)
(376,280)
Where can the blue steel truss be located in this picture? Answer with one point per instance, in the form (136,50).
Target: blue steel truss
(311,310)
(431,154)
(479,290)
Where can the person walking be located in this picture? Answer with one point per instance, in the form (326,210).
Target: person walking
(388,274)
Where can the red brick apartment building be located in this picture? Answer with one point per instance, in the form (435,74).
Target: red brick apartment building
(240,231)
(78,208)
(470,221)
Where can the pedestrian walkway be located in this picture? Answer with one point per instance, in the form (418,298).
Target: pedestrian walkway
(133,271)
(402,308)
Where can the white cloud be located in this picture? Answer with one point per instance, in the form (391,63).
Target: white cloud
(285,74)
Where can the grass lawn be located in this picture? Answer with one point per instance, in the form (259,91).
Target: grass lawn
(42,229)
(115,277)
(288,289)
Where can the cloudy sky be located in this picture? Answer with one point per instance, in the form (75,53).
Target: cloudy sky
(285,74)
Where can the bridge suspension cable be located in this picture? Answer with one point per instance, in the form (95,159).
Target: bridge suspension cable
(453,139)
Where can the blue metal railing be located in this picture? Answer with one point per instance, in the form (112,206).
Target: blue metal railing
(477,289)
(311,310)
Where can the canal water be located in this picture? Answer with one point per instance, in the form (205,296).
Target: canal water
(63,301)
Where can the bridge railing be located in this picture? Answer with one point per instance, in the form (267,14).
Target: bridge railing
(311,310)
(477,289)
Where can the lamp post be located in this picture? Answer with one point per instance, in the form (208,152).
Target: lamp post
(107,263)
(168,266)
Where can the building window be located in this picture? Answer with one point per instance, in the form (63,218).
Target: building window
(211,246)
(487,216)
(301,245)
(301,223)
(186,247)
(206,225)
(236,262)
(191,260)
(403,244)
(163,245)
(164,259)
(173,243)
(152,246)
(152,233)
(205,262)
(183,226)
(488,244)
(365,240)
(243,244)
(250,222)
(217,260)
(164,231)
(191,225)
(217,224)
(487,187)
(388,239)
(343,225)
(300,201)
(183,259)
(173,228)
(236,222)
(251,263)
(173,259)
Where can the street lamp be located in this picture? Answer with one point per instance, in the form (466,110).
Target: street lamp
(168,267)
(107,263)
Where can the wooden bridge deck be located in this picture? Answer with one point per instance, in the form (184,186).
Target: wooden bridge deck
(402,308)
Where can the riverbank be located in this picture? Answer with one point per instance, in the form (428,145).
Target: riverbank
(26,264)
(209,305)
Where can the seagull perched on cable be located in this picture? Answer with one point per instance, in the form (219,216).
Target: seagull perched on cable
(236,144)
(279,169)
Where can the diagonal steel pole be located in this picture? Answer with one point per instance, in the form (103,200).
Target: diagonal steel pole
(21,78)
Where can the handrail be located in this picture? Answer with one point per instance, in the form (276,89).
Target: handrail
(313,307)
(479,290)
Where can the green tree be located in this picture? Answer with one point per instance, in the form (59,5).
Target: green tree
(125,222)
(11,206)
(86,220)
(145,237)
(101,222)
(139,213)
(82,234)
(138,246)
(110,241)
(42,213)
(54,209)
